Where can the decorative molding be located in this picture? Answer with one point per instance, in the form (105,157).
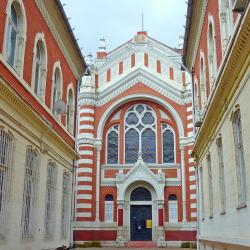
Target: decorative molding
(185,141)
(57,37)
(141,76)
(26,111)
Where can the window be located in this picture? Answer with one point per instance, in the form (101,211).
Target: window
(168,148)
(30,192)
(140,194)
(65,215)
(112,145)
(50,200)
(225,22)
(221,175)
(203,88)
(109,208)
(56,87)
(202,192)
(211,53)
(239,158)
(140,130)
(210,185)
(6,156)
(39,67)
(172,208)
(12,36)
(15,35)
(70,112)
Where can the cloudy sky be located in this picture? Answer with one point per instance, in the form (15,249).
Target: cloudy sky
(119,20)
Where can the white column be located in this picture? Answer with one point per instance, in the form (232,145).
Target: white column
(98,166)
(183,185)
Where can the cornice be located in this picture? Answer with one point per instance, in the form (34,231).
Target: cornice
(57,37)
(198,15)
(199,29)
(141,76)
(6,93)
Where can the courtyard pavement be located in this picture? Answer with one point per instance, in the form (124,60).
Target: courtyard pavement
(129,248)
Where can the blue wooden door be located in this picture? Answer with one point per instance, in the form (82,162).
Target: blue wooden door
(140,230)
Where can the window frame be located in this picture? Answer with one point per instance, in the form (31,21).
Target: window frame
(18,63)
(118,133)
(109,203)
(226,23)
(221,174)
(40,41)
(56,68)
(140,132)
(239,159)
(203,82)
(65,205)
(210,185)
(51,186)
(212,53)
(5,172)
(31,177)
(70,128)
(174,135)
(173,202)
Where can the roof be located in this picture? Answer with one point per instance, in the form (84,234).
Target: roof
(187,29)
(73,38)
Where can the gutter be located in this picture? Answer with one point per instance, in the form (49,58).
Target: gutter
(187,29)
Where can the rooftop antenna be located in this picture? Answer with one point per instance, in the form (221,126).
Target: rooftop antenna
(142,21)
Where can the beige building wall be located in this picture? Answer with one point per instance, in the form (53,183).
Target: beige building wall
(226,231)
(27,132)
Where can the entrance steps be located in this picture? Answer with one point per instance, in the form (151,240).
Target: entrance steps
(140,244)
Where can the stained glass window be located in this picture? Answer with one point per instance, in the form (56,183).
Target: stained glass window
(148,118)
(140,134)
(148,146)
(168,145)
(112,152)
(131,145)
(140,194)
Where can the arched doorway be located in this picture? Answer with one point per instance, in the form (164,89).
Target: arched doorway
(140,215)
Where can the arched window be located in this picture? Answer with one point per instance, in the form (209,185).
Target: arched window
(65,214)
(168,147)
(225,22)
(112,145)
(50,200)
(30,192)
(70,111)
(239,158)
(12,36)
(109,208)
(6,158)
(15,35)
(140,134)
(140,194)
(203,88)
(212,53)
(56,87)
(39,67)
(172,208)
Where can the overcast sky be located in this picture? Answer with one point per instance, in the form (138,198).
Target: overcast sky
(119,20)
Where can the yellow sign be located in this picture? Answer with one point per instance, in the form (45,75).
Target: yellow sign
(149,223)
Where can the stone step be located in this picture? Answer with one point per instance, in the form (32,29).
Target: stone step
(140,244)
